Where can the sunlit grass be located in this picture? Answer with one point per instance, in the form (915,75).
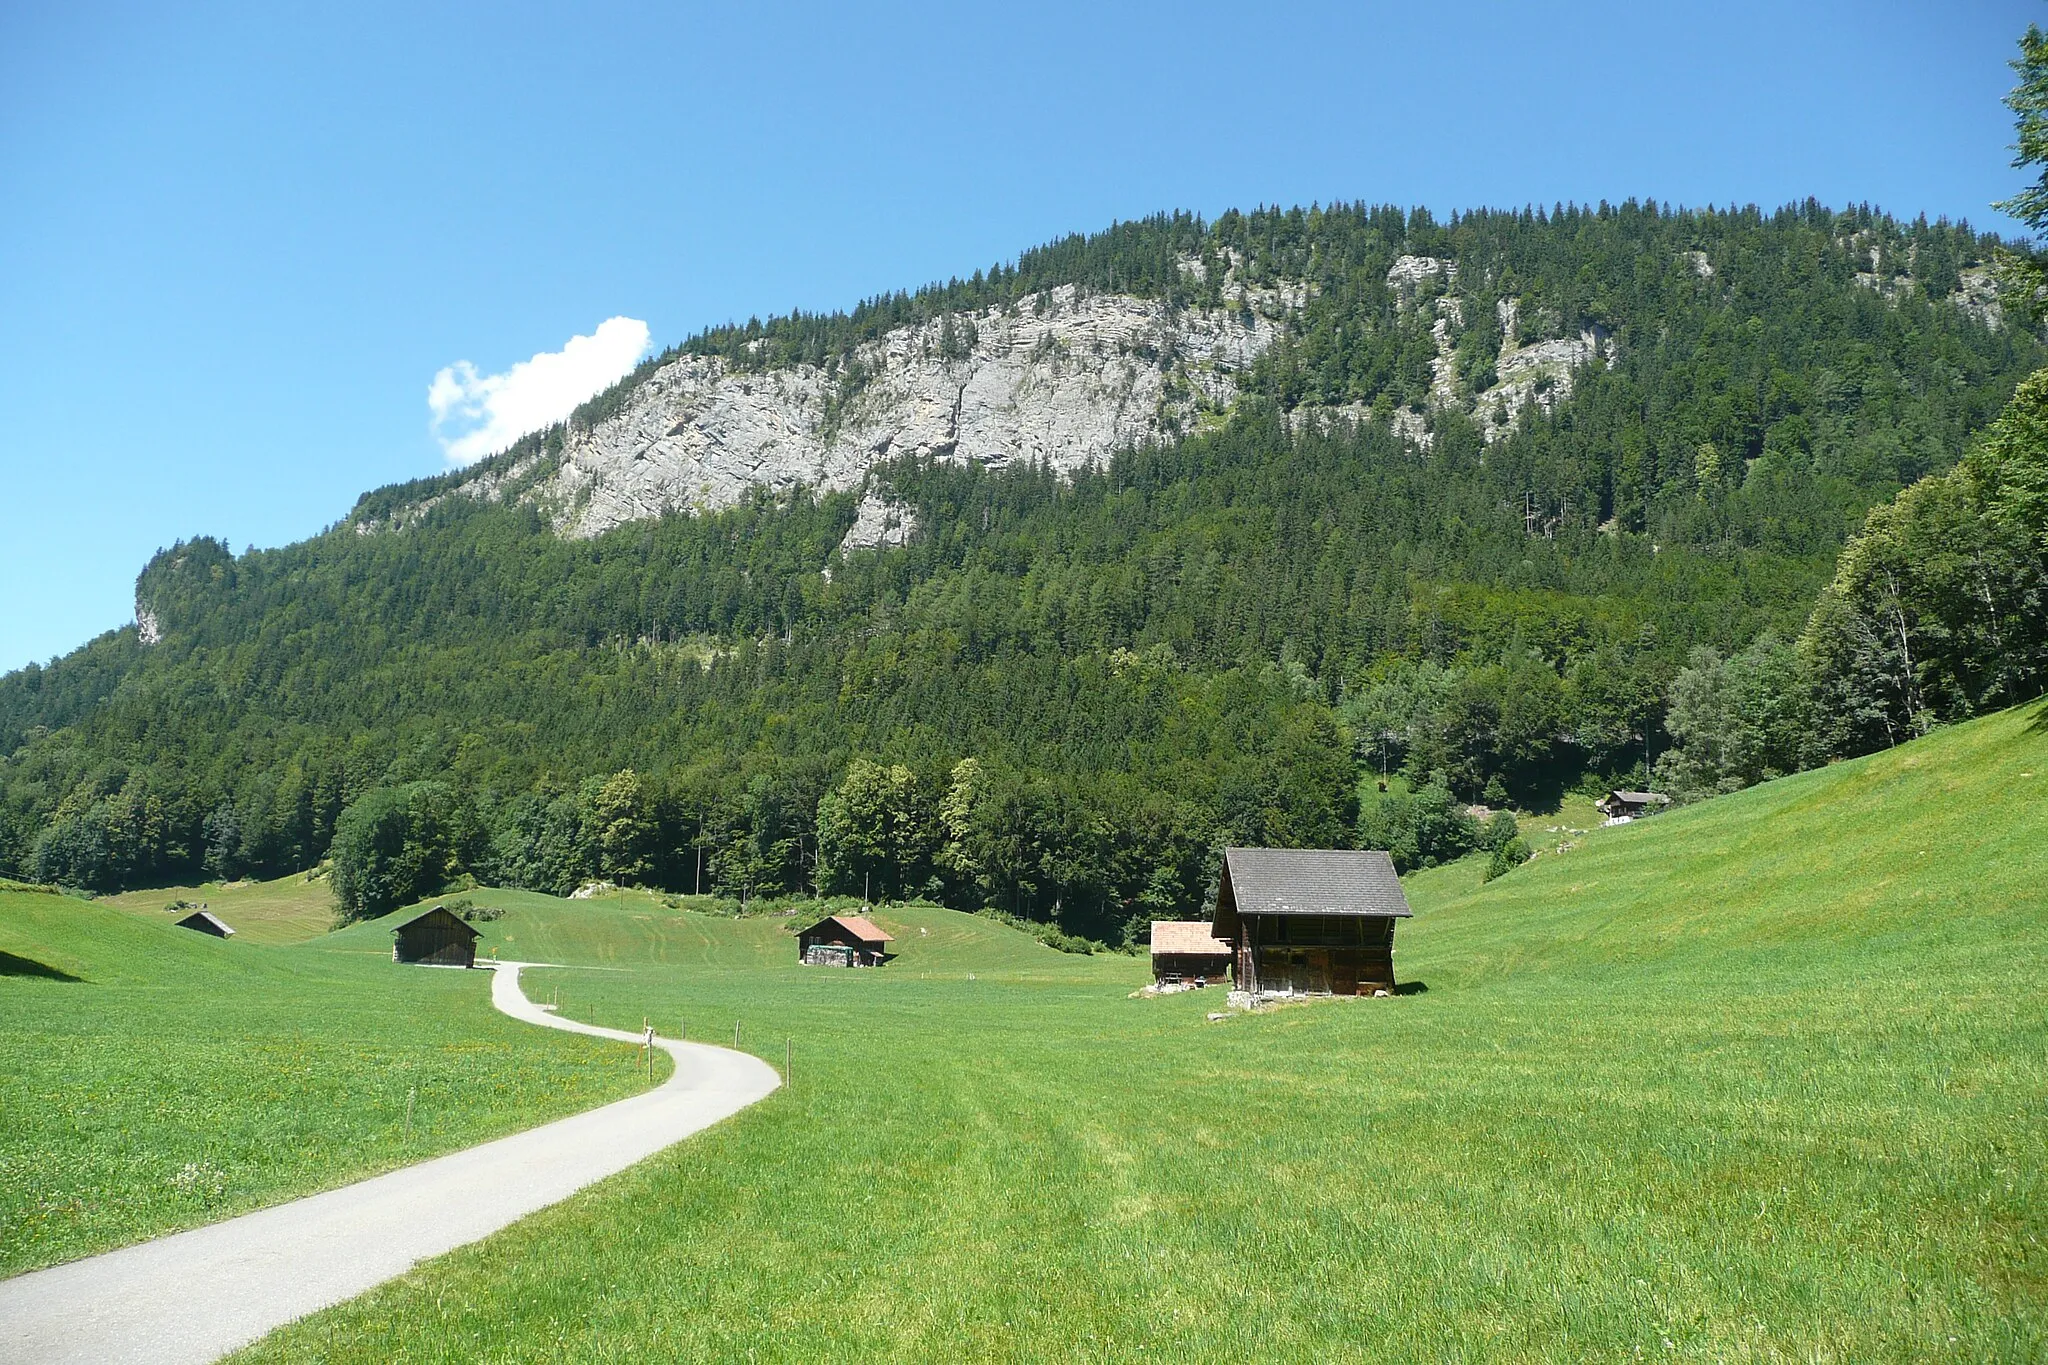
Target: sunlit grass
(288,910)
(177,1079)
(1759,1080)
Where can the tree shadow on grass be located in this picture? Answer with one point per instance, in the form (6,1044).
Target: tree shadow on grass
(2038,724)
(10,965)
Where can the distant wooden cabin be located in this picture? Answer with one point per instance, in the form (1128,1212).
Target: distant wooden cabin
(438,938)
(1310,921)
(843,941)
(1619,805)
(1185,951)
(206,923)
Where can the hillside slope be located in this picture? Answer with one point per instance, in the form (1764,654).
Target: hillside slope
(1757,1081)
(1482,485)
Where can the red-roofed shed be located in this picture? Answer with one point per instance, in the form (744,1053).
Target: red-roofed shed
(843,941)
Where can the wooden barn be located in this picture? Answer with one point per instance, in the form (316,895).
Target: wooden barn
(438,938)
(1310,921)
(1618,806)
(843,941)
(206,923)
(1184,951)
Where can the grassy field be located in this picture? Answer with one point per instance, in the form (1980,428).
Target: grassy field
(289,910)
(152,1078)
(1761,1080)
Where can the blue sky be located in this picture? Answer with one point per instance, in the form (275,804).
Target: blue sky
(238,244)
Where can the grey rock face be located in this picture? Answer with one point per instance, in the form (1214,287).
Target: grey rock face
(1977,295)
(1089,376)
(879,522)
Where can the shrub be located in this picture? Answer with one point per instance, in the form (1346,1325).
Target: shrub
(1506,858)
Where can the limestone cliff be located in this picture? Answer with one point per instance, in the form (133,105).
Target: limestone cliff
(1069,384)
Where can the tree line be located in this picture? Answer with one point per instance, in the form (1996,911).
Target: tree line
(1064,695)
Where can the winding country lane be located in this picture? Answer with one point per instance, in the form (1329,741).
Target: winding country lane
(195,1296)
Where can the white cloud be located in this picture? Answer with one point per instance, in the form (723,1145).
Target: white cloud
(479,414)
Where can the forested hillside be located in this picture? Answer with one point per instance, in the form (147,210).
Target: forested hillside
(1069,689)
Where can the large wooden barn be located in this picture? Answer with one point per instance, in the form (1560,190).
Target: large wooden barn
(1185,952)
(843,941)
(438,938)
(1310,921)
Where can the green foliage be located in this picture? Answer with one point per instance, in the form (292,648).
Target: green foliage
(397,845)
(1938,609)
(876,833)
(1507,855)
(623,815)
(2007,469)
(1739,721)
(2023,273)
(1419,829)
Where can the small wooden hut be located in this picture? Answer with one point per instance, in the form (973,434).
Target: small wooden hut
(843,941)
(438,938)
(1310,921)
(1184,951)
(206,923)
(1618,805)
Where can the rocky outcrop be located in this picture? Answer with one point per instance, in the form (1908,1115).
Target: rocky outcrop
(1540,373)
(1067,385)
(147,630)
(1977,295)
(1410,273)
(879,522)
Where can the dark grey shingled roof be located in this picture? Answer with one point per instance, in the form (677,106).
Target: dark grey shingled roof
(1307,881)
(205,922)
(444,913)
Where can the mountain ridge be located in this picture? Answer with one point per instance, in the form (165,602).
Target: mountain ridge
(1106,666)
(1067,374)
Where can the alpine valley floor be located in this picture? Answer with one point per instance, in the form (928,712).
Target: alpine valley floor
(1761,1079)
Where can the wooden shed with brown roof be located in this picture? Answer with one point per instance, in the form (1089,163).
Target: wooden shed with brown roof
(1310,921)
(438,938)
(1185,951)
(843,941)
(1620,805)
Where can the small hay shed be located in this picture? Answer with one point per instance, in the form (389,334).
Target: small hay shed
(438,938)
(843,941)
(206,922)
(1619,805)
(1186,951)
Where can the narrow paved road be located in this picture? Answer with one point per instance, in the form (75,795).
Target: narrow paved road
(195,1296)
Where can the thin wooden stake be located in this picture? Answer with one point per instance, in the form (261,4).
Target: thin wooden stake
(735,1034)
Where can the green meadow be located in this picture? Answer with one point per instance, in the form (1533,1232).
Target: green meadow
(1762,1079)
(153,1078)
(288,910)
(1758,1080)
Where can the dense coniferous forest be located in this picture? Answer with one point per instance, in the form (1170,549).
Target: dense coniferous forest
(1065,695)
